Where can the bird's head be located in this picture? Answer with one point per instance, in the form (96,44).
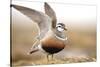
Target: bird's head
(61,27)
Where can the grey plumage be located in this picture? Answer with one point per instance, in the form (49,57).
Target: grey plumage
(50,12)
(40,18)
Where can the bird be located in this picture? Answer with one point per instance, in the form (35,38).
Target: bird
(51,38)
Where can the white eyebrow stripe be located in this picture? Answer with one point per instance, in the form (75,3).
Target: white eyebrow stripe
(59,25)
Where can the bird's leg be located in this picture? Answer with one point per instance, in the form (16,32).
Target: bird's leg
(35,44)
(36,40)
(34,47)
(48,57)
(52,56)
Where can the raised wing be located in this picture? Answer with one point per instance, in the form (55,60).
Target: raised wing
(50,12)
(40,18)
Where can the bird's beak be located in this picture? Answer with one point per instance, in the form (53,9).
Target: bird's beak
(65,28)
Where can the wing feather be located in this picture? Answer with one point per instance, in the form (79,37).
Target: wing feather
(51,13)
(40,18)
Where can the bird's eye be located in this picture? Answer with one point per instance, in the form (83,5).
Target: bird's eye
(59,26)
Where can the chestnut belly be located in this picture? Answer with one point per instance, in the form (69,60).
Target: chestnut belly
(52,45)
(52,50)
